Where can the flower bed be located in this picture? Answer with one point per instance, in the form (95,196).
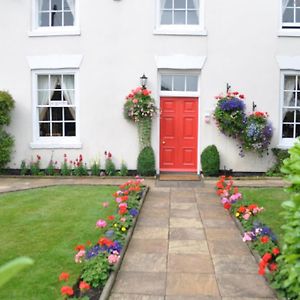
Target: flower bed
(259,237)
(100,261)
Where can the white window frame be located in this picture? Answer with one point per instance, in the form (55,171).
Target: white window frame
(54,141)
(289,32)
(181,29)
(37,30)
(285,143)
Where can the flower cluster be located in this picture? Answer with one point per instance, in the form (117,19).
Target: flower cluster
(253,132)
(260,236)
(105,253)
(139,105)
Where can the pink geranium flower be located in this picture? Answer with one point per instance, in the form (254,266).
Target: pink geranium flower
(113,258)
(101,223)
(105,204)
(80,256)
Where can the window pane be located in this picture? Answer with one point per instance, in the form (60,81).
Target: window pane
(43,82)
(289,83)
(288,15)
(68,19)
(298,116)
(55,81)
(298,3)
(68,82)
(289,99)
(191,83)
(191,4)
(288,115)
(56,4)
(298,15)
(44,114)
(288,131)
(179,17)
(192,17)
(166,83)
(179,3)
(56,19)
(44,129)
(67,6)
(69,113)
(166,4)
(56,96)
(57,114)
(178,82)
(57,129)
(298,99)
(70,129)
(43,19)
(297,130)
(290,3)
(43,97)
(45,4)
(166,17)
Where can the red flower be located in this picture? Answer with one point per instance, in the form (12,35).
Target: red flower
(235,93)
(65,155)
(79,247)
(109,155)
(146,92)
(235,190)
(241,209)
(242,96)
(264,239)
(261,271)
(275,251)
(38,157)
(227,205)
(64,276)
(220,192)
(122,210)
(220,185)
(111,218)
(124,198)
(80,157)
(252,206)
(266,257)
(105,242)
(67,290)
(84,286)
(89,243)
(273,267)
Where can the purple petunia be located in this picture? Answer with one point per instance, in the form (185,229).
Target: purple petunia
(232,104)
(133,212)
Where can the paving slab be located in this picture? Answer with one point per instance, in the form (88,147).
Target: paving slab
(115,296)
(187,234)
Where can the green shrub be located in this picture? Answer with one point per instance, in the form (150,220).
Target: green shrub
(35,166)
(95,168)
(124,169)
(280,155)
(210,161)
(110,168)
(6,146)
(50,170)
(7,103)
(146,162)
(287,279)
(23,168)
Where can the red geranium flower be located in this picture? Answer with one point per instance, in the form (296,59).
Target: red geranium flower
(264,239)
(227,205)
(261,271)
(242,209)
(105,242)
(64,276)
(67,290)
(79,247)
(273,267)
(111,218)
(275,251)
(84,286)
(266,257)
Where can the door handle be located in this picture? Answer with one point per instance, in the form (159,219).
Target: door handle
(163,142)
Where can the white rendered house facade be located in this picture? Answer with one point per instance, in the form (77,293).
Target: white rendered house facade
(69,64)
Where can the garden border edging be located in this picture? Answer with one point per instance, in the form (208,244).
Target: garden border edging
(112,278)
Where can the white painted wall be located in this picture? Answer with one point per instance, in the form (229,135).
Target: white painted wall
(118,46)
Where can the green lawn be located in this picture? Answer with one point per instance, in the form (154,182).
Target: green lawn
(270,199)
(46,224)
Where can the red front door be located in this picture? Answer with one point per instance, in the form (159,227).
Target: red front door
(178,134)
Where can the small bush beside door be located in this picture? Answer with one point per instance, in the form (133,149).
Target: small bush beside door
(210,161)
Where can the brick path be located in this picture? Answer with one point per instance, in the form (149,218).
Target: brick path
(185,246)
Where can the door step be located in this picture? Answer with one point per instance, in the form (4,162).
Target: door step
(179,177)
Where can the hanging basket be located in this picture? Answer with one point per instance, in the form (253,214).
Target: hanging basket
(144,132)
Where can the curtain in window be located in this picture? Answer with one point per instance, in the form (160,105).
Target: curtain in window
(284,5)
(41,2)
(43,96)
(68,90)
(289,99)
(71,4)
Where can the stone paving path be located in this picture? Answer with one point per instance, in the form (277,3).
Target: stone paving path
(185,246)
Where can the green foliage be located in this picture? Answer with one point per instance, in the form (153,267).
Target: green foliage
(280,155)
(146,162)
(50,170)
(287,279)
(124,169)
(7,103)
(80,170)
(35,166)
(66,169)
(210,161)
(95,168)
(23,168)
(110,168)
(96,270)
(6,146)
(13,267)
(144,132)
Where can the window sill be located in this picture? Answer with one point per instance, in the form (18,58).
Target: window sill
(198,31)
(289,33)
(286,144)
(55,145)
(54,32)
